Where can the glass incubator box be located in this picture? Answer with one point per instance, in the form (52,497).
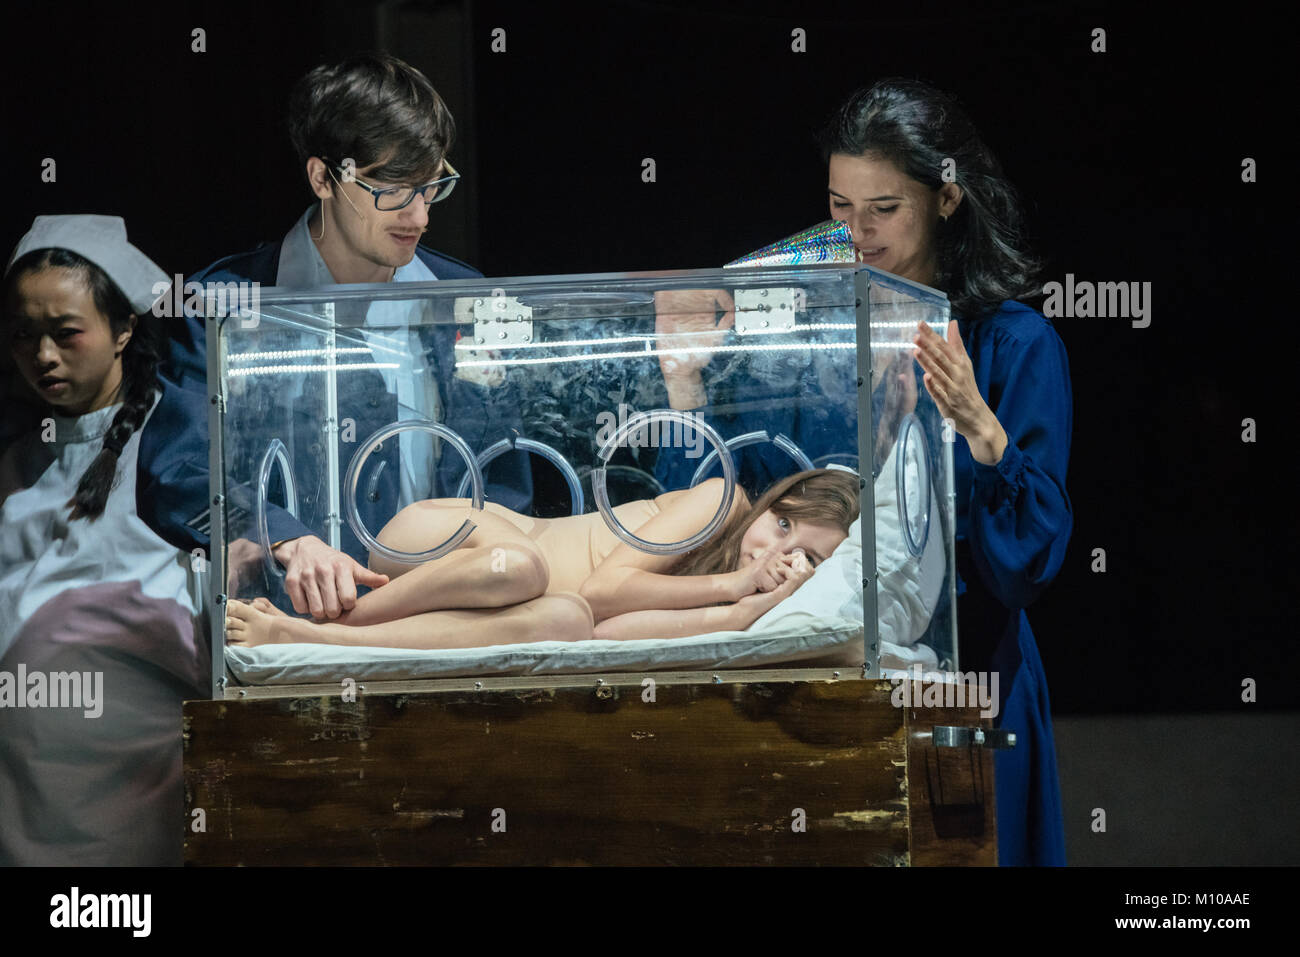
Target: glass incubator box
(587,406)
(589,395)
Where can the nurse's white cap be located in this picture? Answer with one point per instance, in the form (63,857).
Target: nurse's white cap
(102,240)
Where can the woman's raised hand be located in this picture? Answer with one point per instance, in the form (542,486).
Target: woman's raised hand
(950,380)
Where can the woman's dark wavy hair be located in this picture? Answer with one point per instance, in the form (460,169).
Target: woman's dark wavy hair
(983,254)
(372,108)
(139,368)
(825,496)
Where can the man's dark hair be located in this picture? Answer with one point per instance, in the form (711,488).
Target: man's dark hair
(372,108)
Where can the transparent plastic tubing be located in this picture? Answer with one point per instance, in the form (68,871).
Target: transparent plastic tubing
(354,476)
(537,448)
(912,430)
(275,452)
(754,438)
(638,421)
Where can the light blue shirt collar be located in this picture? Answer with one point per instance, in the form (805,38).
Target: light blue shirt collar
(303,267)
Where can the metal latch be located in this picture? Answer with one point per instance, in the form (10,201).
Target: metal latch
(952,737)
(502,321)
(766,310)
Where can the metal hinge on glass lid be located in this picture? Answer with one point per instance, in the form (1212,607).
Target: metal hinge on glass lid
(498,322)
(773,310)
(502,321)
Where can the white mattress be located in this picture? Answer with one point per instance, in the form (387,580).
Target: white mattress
(823,618)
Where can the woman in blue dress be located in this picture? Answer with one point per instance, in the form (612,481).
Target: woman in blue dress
(926,199)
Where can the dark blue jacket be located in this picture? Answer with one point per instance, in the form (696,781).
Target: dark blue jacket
(172,481)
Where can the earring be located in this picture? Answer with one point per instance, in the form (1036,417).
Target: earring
(322,224)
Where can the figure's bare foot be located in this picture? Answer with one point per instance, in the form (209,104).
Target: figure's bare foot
(264,604)
(249,626)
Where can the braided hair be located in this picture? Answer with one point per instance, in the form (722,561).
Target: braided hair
(140,359)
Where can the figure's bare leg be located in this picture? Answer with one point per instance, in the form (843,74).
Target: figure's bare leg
(496,566)
(559,616)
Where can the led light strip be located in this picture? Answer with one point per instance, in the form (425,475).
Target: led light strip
(901,324)
(806,327)
(465,344)
(803,327)
(777,330)
(654,352)
(281,370)
(293,354)
(575,343)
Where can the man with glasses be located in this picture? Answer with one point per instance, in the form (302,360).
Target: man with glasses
(372,135)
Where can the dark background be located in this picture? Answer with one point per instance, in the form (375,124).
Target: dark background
(1129,162)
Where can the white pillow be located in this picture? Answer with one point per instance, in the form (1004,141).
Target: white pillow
(907,588)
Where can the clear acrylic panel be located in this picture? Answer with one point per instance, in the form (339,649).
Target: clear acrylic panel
(567,396)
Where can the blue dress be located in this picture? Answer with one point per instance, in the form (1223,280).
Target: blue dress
(1013,525)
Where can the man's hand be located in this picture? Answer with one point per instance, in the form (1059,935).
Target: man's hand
(320,580)
(689,319)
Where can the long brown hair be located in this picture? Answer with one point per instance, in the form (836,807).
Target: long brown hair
(825,496)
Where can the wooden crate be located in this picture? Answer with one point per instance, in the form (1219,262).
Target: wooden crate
(778,771)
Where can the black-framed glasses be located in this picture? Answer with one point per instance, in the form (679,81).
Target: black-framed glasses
(391,198)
